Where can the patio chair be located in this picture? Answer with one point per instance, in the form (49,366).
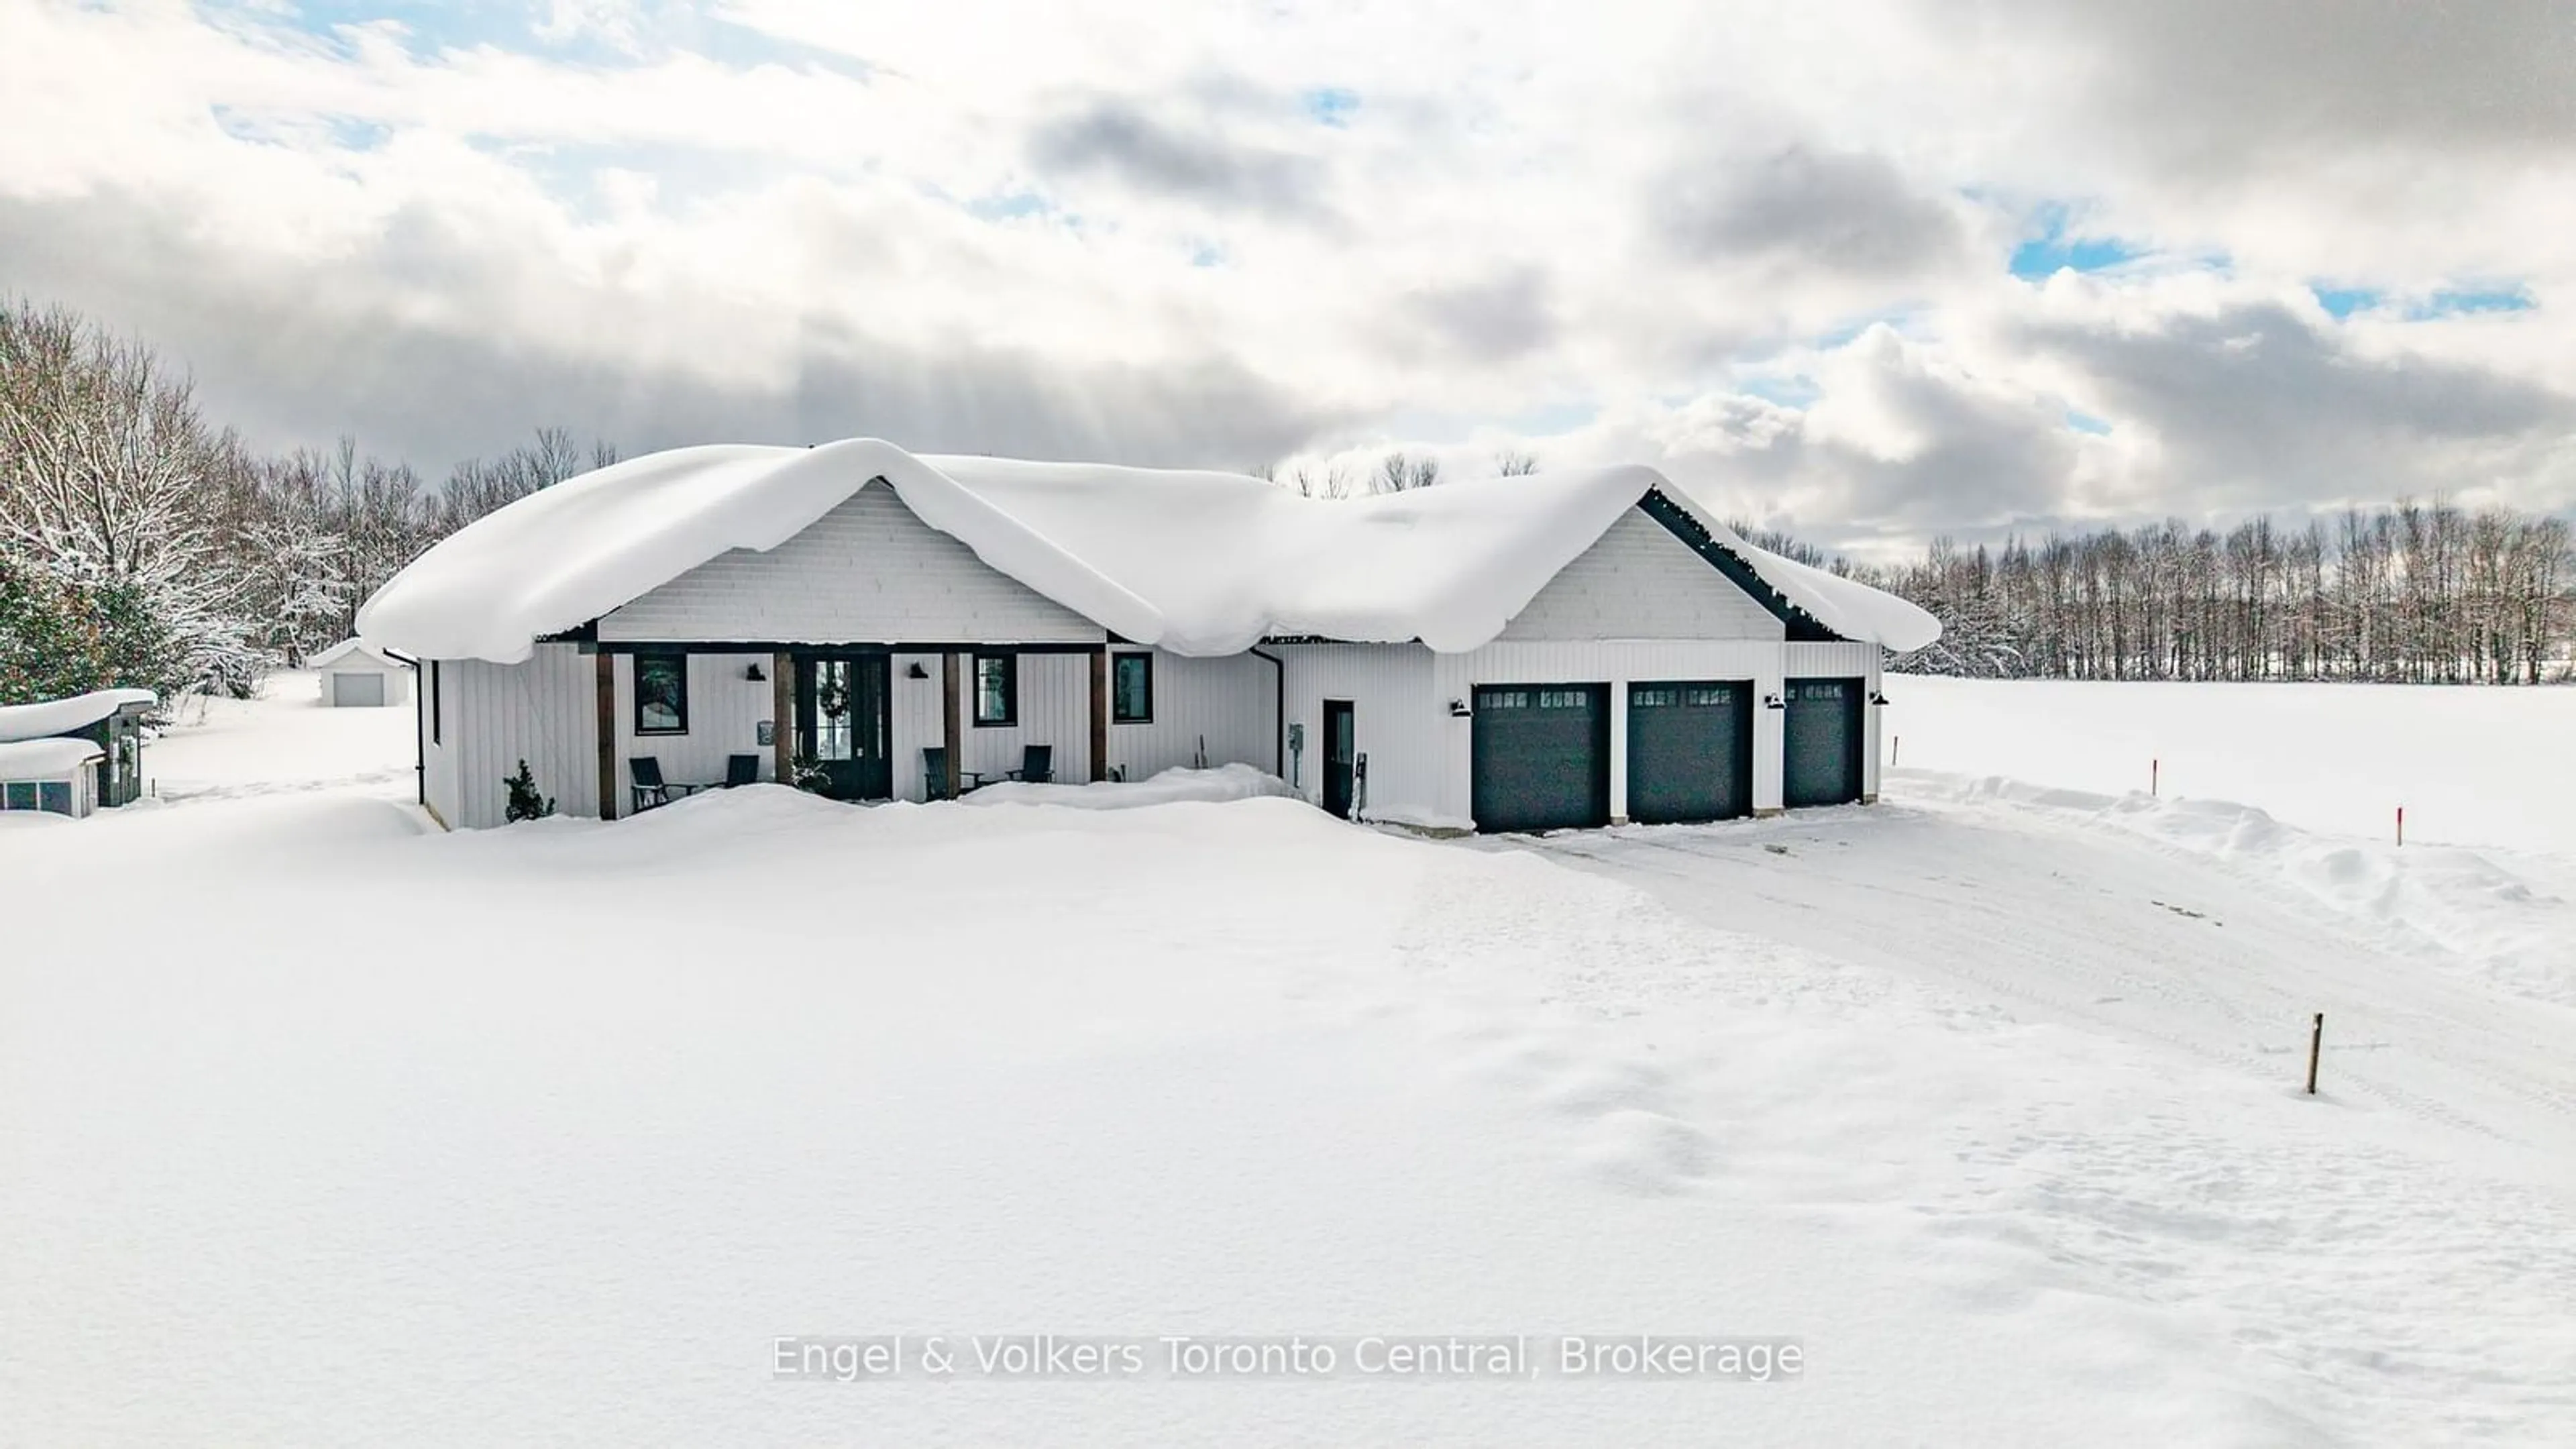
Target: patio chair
(934,773)
(1037,764)
(741,770)
(650,788)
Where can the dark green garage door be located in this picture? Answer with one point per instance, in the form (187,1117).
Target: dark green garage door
(1690,751)
(1542,756)
(1823,746)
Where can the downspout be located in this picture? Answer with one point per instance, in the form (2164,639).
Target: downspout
(1278,710)
(419,726)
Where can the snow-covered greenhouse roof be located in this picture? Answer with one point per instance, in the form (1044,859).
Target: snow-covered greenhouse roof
(1197,562)
(57,716)
(46,759)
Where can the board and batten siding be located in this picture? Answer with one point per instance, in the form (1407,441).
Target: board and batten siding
(1228,705)
(1640,582)
(543,709)
(867,572)
(725,710)
(1397,721)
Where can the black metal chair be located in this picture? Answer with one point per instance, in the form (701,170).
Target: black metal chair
(1037,764)
(934,772)
(741,770)
(650,788)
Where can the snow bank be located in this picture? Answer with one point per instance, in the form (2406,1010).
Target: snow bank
(2454,904)
(53,716)
(44,759)
(1173,786)
(1200,563)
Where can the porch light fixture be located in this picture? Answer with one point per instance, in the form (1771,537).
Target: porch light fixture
(1773,701)
(754,673)
(1458,708)
(1877,698)
(915,671)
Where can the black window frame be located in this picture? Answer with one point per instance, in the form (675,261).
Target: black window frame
(1118,696)
(680,704)
(1010,665)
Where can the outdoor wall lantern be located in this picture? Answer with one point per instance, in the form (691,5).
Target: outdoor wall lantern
(1773,701)
(1458,708)
(1877,698)
(754,674)
(916,671)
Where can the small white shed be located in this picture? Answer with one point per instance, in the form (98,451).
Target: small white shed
(354,675)
(57,776)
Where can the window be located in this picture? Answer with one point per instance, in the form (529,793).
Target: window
(997,689)
(18,795)
(1131,689)
(54,795)
(433,702)
(661,694)
(1661,696)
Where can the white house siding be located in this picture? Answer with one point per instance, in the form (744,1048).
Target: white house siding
(1640,582)
(1230,703)
(1398,719)
(543,710)
(725,711)
(868,572)
(1055,710)
(918,721)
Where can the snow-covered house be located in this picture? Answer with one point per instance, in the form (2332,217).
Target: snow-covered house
(72,756)
(353,674)
(1503,654)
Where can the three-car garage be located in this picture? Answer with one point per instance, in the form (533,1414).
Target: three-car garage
(1541,755)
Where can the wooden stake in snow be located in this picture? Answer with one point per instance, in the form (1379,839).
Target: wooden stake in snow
(2401,825)
(1895,748)
(2316,1045)
(2154,769)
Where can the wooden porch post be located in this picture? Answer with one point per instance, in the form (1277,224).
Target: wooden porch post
(782,718)
(605,665)
(1099,712)
(949,669)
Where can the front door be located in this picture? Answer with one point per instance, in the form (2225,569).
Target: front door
(1341,753)
(845,722)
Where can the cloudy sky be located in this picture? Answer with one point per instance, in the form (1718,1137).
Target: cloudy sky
(1869,270)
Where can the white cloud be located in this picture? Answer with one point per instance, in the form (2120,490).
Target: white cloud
(989,223)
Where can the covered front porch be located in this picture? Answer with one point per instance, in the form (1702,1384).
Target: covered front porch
(860,722)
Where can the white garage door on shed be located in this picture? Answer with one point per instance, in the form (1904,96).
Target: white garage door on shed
(357,689)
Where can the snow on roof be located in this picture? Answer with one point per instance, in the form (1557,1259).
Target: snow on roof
(54,716)
(364,657)
(47,759)
(1197,562)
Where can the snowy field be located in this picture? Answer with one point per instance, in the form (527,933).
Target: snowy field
(320,1125)
(2494,768)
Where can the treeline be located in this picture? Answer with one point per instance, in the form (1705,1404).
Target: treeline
(142,544)
(2423,593)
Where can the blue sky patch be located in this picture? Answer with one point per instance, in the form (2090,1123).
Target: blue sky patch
(2084,422)
(2342,302)
(2053,249)
(2456,303)
(1330,105)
